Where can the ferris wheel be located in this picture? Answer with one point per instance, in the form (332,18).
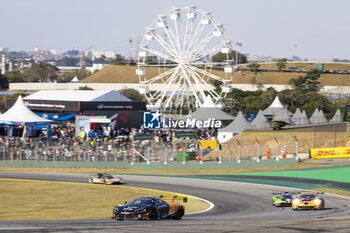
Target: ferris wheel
(180,43)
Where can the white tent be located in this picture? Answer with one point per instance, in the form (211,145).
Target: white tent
(283,115)
(209,110)
(260,121)
(304,120)
(296,119)
(21,114)
(318,117)
(275,108)
(75,80)
(238,125)
(337,117)
(314,117)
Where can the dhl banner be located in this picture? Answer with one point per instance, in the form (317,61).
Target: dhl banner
(326,153)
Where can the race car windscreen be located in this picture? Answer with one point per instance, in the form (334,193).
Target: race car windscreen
(287,196)
(140,202)
(307,196)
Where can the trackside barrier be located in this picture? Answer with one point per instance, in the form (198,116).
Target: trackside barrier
(328,153)
(173,165)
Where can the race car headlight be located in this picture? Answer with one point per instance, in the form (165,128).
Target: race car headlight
(296,201)
(317,201)
(116,209)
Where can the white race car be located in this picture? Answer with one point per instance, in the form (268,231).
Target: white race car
(105,179)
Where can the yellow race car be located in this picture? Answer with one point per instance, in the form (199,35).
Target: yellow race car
(308,200)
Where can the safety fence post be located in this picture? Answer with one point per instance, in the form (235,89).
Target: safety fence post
(258,159)
(335,136)
(220,153)
(166,155)
(277,148)
(239,151)
(149,153)
(184,154)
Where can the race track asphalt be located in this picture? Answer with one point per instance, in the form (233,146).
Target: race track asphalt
(239,207)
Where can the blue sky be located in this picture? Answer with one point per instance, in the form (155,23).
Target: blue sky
(319,28)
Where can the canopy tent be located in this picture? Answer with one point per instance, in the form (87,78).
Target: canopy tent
(337,117)
(283,116)
(19,113)
(260,121)
(296,119)
(318,117)
(275,108)
(75,80)
(304,120)
(209,110)
(238,125)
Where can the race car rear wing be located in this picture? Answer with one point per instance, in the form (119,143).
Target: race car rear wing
(310,192)
(283,193)
(174,198)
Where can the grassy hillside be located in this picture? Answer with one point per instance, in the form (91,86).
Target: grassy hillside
(126,74)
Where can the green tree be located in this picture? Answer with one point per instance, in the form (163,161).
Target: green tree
(85,88)
(132,94)
(308,82)
(14,76)
(222,57)
(79,73)
(151,59)
(40,72)
(68,61)
(217,85)
(4,83)
(281,63)
(254,66)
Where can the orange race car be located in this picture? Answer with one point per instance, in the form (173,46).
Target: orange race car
(308,200)
(151,208)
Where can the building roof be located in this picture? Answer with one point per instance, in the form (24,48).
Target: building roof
(21,114)
(78,95)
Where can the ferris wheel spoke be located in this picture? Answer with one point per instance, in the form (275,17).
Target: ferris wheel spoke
(188,80)
(157,53)
(160,76)
(208,74)
(168,85)
(195,38)
(173,92)
(173,40)
(209,52)
(167,46)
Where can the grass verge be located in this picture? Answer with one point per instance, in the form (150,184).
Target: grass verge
(46,200)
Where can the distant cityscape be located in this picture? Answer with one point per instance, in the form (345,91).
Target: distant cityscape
(91,59)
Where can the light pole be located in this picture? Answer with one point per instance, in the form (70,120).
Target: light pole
(238,44)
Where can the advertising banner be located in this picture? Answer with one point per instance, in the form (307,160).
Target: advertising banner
(327,153)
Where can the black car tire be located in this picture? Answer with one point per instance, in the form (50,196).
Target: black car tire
(178,215)
(153,214)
